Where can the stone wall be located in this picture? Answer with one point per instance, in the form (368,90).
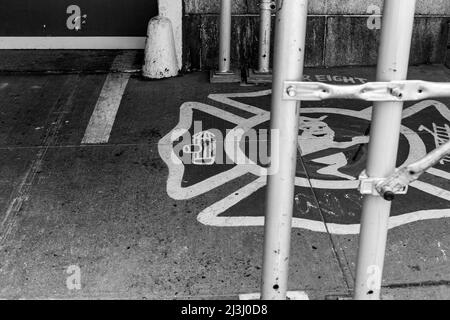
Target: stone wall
(338,32)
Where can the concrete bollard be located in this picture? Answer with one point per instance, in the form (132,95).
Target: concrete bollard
(160,52)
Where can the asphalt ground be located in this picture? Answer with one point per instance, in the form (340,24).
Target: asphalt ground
(97,190)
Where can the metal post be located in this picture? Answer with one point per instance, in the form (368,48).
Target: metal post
(225,36)
(393,62)
(263,74)
(264,35)
(288,64)
(224,74)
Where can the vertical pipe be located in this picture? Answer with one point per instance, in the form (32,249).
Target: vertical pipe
(393,60)
(288,65)
(264,35)
(225,37)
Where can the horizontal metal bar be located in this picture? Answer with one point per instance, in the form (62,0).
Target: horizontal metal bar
(396,91)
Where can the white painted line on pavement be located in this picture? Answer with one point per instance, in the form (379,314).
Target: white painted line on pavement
(104,115)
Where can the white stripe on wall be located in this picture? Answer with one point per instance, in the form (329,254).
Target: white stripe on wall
(72,43)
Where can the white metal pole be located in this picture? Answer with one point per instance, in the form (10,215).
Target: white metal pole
(397,26)
(288,64)
(265,29)
(225,37)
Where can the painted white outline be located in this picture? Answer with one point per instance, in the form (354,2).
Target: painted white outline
(211,215)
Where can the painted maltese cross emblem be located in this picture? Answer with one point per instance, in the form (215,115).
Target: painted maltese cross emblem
(217,155)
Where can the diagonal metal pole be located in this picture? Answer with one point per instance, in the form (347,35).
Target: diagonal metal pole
(288,65)
(393,60)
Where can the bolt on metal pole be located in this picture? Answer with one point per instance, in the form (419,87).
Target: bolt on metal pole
(393,60)
(225,36)
(288,65)
(265,29)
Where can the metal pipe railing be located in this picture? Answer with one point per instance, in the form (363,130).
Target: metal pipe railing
(288,65)
(225,37)
(224,73)
(265,31)
(393,61)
